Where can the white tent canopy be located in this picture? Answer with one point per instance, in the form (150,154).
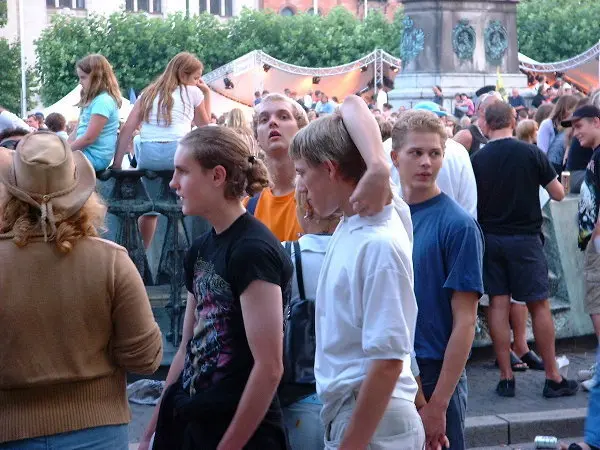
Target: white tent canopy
(257,71)
(66,106)
(582,70)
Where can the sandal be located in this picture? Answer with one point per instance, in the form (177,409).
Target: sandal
(533,360)
(506,388)
(516,363)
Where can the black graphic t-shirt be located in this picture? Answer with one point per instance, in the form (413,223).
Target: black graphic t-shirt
(589,200)
(218,269)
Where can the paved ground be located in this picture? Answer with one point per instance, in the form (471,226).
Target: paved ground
(528,446)
(482,378)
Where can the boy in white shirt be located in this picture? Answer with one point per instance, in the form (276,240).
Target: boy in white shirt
(365,307)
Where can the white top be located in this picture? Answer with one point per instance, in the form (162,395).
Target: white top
(308,101)
(366,308)
(312,254)
(456,178)
(9,121)
(185,100)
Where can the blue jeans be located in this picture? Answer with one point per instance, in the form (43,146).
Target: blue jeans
(592,422)
(303,423)
(457,408)
(112,437)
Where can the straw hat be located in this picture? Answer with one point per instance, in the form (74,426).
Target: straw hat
(44,172)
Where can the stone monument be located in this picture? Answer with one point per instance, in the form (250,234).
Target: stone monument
(458,45)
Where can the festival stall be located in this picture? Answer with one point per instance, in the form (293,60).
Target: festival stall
(582,70)
(258,71)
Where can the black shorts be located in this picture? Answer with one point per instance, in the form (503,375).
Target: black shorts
(516,266)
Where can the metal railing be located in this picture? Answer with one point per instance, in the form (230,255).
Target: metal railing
(130,194)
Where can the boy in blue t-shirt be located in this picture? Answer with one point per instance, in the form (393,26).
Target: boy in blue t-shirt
(448,264)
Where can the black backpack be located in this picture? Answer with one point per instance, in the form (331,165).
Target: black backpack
(299,343)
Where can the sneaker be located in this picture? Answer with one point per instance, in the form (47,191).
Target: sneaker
(588,385)
(587,374)
(552,389)
(506,388)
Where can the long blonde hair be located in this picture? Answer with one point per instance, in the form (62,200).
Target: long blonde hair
(182,65)
(23,221)
(102,79)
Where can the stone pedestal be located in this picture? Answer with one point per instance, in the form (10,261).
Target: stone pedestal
(458,45)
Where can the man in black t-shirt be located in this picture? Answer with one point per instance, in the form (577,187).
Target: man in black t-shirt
(508,174)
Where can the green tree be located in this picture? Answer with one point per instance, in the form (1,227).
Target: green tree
(557,31)
(10,81)
(139,47)
(3,12)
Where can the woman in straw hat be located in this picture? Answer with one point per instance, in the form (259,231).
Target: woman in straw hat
(74,314)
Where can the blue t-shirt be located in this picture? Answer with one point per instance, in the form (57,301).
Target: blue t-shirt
(447,257)
(101,152)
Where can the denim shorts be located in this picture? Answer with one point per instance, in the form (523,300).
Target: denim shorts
(303,423)
(155,155)
(112,437)
(515,265)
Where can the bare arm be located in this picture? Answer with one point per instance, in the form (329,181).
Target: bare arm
(97,123)
(373,397)
(133,121)
(464,137)
(464,315)
(203,110)
(262,307)
(373,191)
(555,190)
(175,369)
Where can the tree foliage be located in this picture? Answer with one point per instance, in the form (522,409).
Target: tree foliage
(3,12)
(10,80)
(139,46)
(557,30)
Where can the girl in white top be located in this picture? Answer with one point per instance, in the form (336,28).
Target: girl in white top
(166,111)
(302,418)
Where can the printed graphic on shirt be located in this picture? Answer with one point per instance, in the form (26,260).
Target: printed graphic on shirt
(588,204)
(210,349)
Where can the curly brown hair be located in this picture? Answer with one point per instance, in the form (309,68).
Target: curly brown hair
(24,222)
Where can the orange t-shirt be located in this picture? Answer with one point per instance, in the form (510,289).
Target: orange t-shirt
(278,214)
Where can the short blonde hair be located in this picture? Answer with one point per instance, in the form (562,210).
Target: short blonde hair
(526,130)
(419,121)
(297,111)
(327,139)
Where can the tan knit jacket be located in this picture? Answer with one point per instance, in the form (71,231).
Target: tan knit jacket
(70,327)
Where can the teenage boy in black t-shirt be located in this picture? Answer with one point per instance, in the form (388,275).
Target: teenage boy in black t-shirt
(586,128)
(508,174)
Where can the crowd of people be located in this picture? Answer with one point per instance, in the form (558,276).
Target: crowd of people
(363,236)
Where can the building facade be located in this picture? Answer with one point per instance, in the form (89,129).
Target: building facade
(37,14)
(357,7)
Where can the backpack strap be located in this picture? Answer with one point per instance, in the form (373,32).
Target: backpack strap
(251,205)
(298,264)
